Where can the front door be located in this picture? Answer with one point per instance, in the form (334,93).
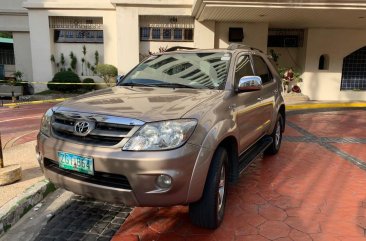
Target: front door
(248,106)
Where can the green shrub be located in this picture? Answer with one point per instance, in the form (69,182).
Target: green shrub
(88,88)
(108,73)
(65,77)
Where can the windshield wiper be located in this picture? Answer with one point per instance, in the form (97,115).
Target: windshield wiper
(137,84)
(176,85)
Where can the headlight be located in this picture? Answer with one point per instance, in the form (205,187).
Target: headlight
(162,135)
(46,123)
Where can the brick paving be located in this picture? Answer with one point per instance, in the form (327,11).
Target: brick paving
(314,189)
(85,219)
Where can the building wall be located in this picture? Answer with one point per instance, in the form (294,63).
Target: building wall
(337,43)
(42,41)
(255,34)
(77,48)
(23,54)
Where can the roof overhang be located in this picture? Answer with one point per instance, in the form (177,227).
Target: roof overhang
(338,14)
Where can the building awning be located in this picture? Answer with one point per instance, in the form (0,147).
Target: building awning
(281,13)
(6,41)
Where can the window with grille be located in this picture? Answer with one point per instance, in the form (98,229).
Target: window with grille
(78,36)
(77,29)
(166,34)
(291,38)
(354,71)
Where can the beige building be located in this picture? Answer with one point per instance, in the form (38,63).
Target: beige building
(324,40)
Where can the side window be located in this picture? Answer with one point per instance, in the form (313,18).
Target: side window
(243,68)
(261,69)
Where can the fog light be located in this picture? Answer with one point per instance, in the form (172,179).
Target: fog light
(164,181)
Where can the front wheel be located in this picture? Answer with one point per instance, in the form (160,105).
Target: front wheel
(208,212)
(276,136)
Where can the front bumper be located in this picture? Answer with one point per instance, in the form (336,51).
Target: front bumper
(140,168)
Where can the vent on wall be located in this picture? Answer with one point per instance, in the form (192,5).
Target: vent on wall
(236,35)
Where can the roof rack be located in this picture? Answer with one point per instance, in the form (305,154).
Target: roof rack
(241,46)
(175,48)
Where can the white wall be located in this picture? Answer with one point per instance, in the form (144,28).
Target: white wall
(255,34)
(153,46)
(337,43)
(23,55)
(42,45)
(204,34)
(288,57)
(77,48)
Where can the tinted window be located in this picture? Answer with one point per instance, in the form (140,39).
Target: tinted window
(243,68)
(261,69)
(194,70)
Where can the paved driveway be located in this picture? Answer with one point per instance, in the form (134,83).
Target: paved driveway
(314,189)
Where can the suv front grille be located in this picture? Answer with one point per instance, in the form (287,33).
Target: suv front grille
(104,133)
(99,178)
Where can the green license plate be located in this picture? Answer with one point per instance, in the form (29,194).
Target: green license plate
(75,162)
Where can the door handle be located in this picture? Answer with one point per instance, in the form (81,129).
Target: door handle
(259,98)
(275,91)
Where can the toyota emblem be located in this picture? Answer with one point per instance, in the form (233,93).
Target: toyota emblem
(83,128)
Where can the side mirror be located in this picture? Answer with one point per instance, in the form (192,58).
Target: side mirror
(119,78)
(250,83)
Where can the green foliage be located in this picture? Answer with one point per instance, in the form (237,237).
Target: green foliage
(73,62)
(65,77)
(18,75)
(108,73)
(6,35)
(62,62)
(96,55)
(88,88)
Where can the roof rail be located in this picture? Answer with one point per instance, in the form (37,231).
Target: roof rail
(241,46)
(175,48)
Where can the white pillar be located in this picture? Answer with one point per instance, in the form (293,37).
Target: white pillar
(127,38)
(204,34)
(23,55)
(40,47)
(110,38)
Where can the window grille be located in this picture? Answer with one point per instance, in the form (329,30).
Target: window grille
(165,28)
(7,57)
(285,38)
(354,71)
(84,23)
(78,36)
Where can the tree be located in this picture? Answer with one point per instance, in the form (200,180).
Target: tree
(108,73)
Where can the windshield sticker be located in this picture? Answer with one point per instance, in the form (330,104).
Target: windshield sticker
(226,57)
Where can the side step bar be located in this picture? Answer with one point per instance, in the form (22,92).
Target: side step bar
(254,152)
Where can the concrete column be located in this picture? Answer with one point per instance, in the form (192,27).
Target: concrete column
(110,38)
(23,54)
(204,34)
(41,47)
(127,38)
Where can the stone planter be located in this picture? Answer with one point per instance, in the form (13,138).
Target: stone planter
(6,90)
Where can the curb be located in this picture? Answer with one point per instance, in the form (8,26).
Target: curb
(34,102)
(325,105)
(16,208)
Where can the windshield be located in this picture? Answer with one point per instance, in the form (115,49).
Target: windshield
(205,70)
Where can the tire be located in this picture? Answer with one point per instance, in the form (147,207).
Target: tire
(277,137)
(209,211)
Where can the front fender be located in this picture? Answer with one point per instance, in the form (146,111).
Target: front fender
(217,133)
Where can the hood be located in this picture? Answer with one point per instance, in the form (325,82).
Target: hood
(143,103)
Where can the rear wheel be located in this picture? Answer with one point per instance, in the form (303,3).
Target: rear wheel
(277,137)
(208,212)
